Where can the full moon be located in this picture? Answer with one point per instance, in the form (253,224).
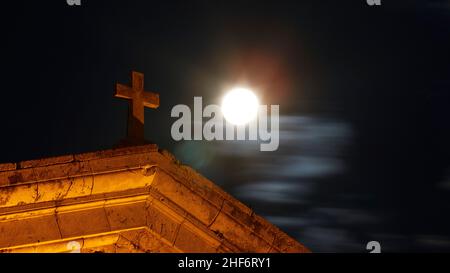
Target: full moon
(239,106)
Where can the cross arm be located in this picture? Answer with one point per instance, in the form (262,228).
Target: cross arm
(151,99)
(123,91)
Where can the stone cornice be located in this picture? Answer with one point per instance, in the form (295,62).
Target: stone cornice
(138,187)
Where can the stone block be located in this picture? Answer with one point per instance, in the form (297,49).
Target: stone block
(263,228)
(147,241)
(126,215)
(123,245)
(83,222)
(60,171)
(119,163)
(19,195)
(161,223)
(239,235)
(191,202)
(17,177)
(28,230)
(121,181)
(190,242)
(242,217)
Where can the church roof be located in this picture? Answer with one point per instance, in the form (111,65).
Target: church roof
(132,199)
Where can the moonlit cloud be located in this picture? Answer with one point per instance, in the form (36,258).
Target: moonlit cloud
(298,187)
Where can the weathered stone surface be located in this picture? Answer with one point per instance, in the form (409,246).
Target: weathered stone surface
(162,224)
(238,234)
(17,177)
(142,240)
(123,216)
(124,162)
(19,195)
(61,171)
(35,229)
(7,166)
(186,237)
(133,199)
(284,243)
(153,243)
(100,249)
(117,152)
(83,222)
(199,207)
(46,161)
(120,181)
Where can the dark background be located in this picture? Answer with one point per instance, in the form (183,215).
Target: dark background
(363,93)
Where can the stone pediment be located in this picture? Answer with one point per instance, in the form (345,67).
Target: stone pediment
(133,199)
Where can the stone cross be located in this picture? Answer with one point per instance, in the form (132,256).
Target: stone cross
(138,99)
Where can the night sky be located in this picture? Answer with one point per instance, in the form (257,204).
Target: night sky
(364,95)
